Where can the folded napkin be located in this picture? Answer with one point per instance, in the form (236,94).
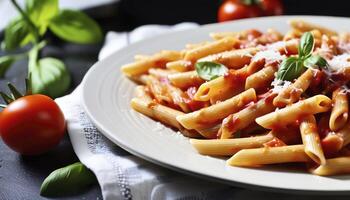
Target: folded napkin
(125,176)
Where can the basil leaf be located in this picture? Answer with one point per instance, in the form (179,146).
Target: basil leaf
(75,26)
(315,61)
(210,70)
(17,34)
(41,12)
(306,45)
(290,69)
(5,64)
(49,76)
(67,180)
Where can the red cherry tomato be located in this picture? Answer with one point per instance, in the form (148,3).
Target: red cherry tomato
(271,7)
(32,124)
(234,9)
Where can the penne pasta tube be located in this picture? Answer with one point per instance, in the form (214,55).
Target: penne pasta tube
(245,117)
(339,114)
(212,114)
(233,59)
(220,35)
(210,132)
(226,86)
(268,155)
(156,61)
(159,73)
(311,139)
(185,79)
(261,79)
(293,92)
(193,46)
(161,113)
(210,48)
(228,147)
(305,26)
(290,114)
(142,93)
(333,166)
(180,65)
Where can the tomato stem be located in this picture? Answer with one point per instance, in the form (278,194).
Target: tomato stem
(6,98)
(15,93)
(3,105)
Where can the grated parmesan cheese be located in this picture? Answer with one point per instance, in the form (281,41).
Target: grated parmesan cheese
(270,56)
(339,62)
(279,85)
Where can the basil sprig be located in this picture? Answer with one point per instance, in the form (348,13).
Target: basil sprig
(210,70)
(50,75)
(292,67)
(67,180)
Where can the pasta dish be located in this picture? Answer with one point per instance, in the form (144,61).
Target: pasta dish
(257,98)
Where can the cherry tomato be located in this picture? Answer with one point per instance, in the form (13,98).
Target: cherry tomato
(32,124)
(271,7)
(234,9)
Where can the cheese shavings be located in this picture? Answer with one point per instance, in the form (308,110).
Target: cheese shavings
(339,62)
(279,85)
(270,56)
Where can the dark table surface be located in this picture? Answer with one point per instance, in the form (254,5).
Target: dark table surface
(21,176)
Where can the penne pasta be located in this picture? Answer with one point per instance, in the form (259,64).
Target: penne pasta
(288,115)
(292,93)
(311,139)
(180,65)
(207,116)
(261,79)
(228,147)
(210,48)
(185,79)
(340,110)
(158,60)
(233,59)
(245,117)
(268,155)
(333,166)
(292,87)
(305,26)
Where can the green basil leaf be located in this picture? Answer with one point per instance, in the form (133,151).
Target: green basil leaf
(49,76)
(315,61)
(76,26)
(41,12)
(210,70)
(306,45)
(67,180)
(290,69)
(17,34)
(5,63)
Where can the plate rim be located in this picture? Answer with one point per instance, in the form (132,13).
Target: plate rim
(139,154)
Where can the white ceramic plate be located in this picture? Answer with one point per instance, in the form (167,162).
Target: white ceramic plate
(106,99)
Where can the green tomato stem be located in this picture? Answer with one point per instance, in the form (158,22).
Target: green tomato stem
(29,21)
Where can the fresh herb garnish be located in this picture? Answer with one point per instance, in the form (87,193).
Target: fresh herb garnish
(292,67)
(67,180)
(210,70)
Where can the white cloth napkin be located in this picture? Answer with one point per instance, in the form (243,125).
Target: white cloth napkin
(124,176)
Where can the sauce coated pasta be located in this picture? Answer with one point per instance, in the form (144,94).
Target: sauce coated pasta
(257,98)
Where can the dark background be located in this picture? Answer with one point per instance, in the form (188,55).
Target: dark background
(20,176)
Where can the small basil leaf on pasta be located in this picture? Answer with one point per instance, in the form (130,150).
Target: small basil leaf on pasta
(315,61)
(306,45)
(210,70)
(290,69)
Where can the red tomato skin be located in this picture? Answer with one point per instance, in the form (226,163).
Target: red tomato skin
(32,125)
(233,9)
(272,7)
